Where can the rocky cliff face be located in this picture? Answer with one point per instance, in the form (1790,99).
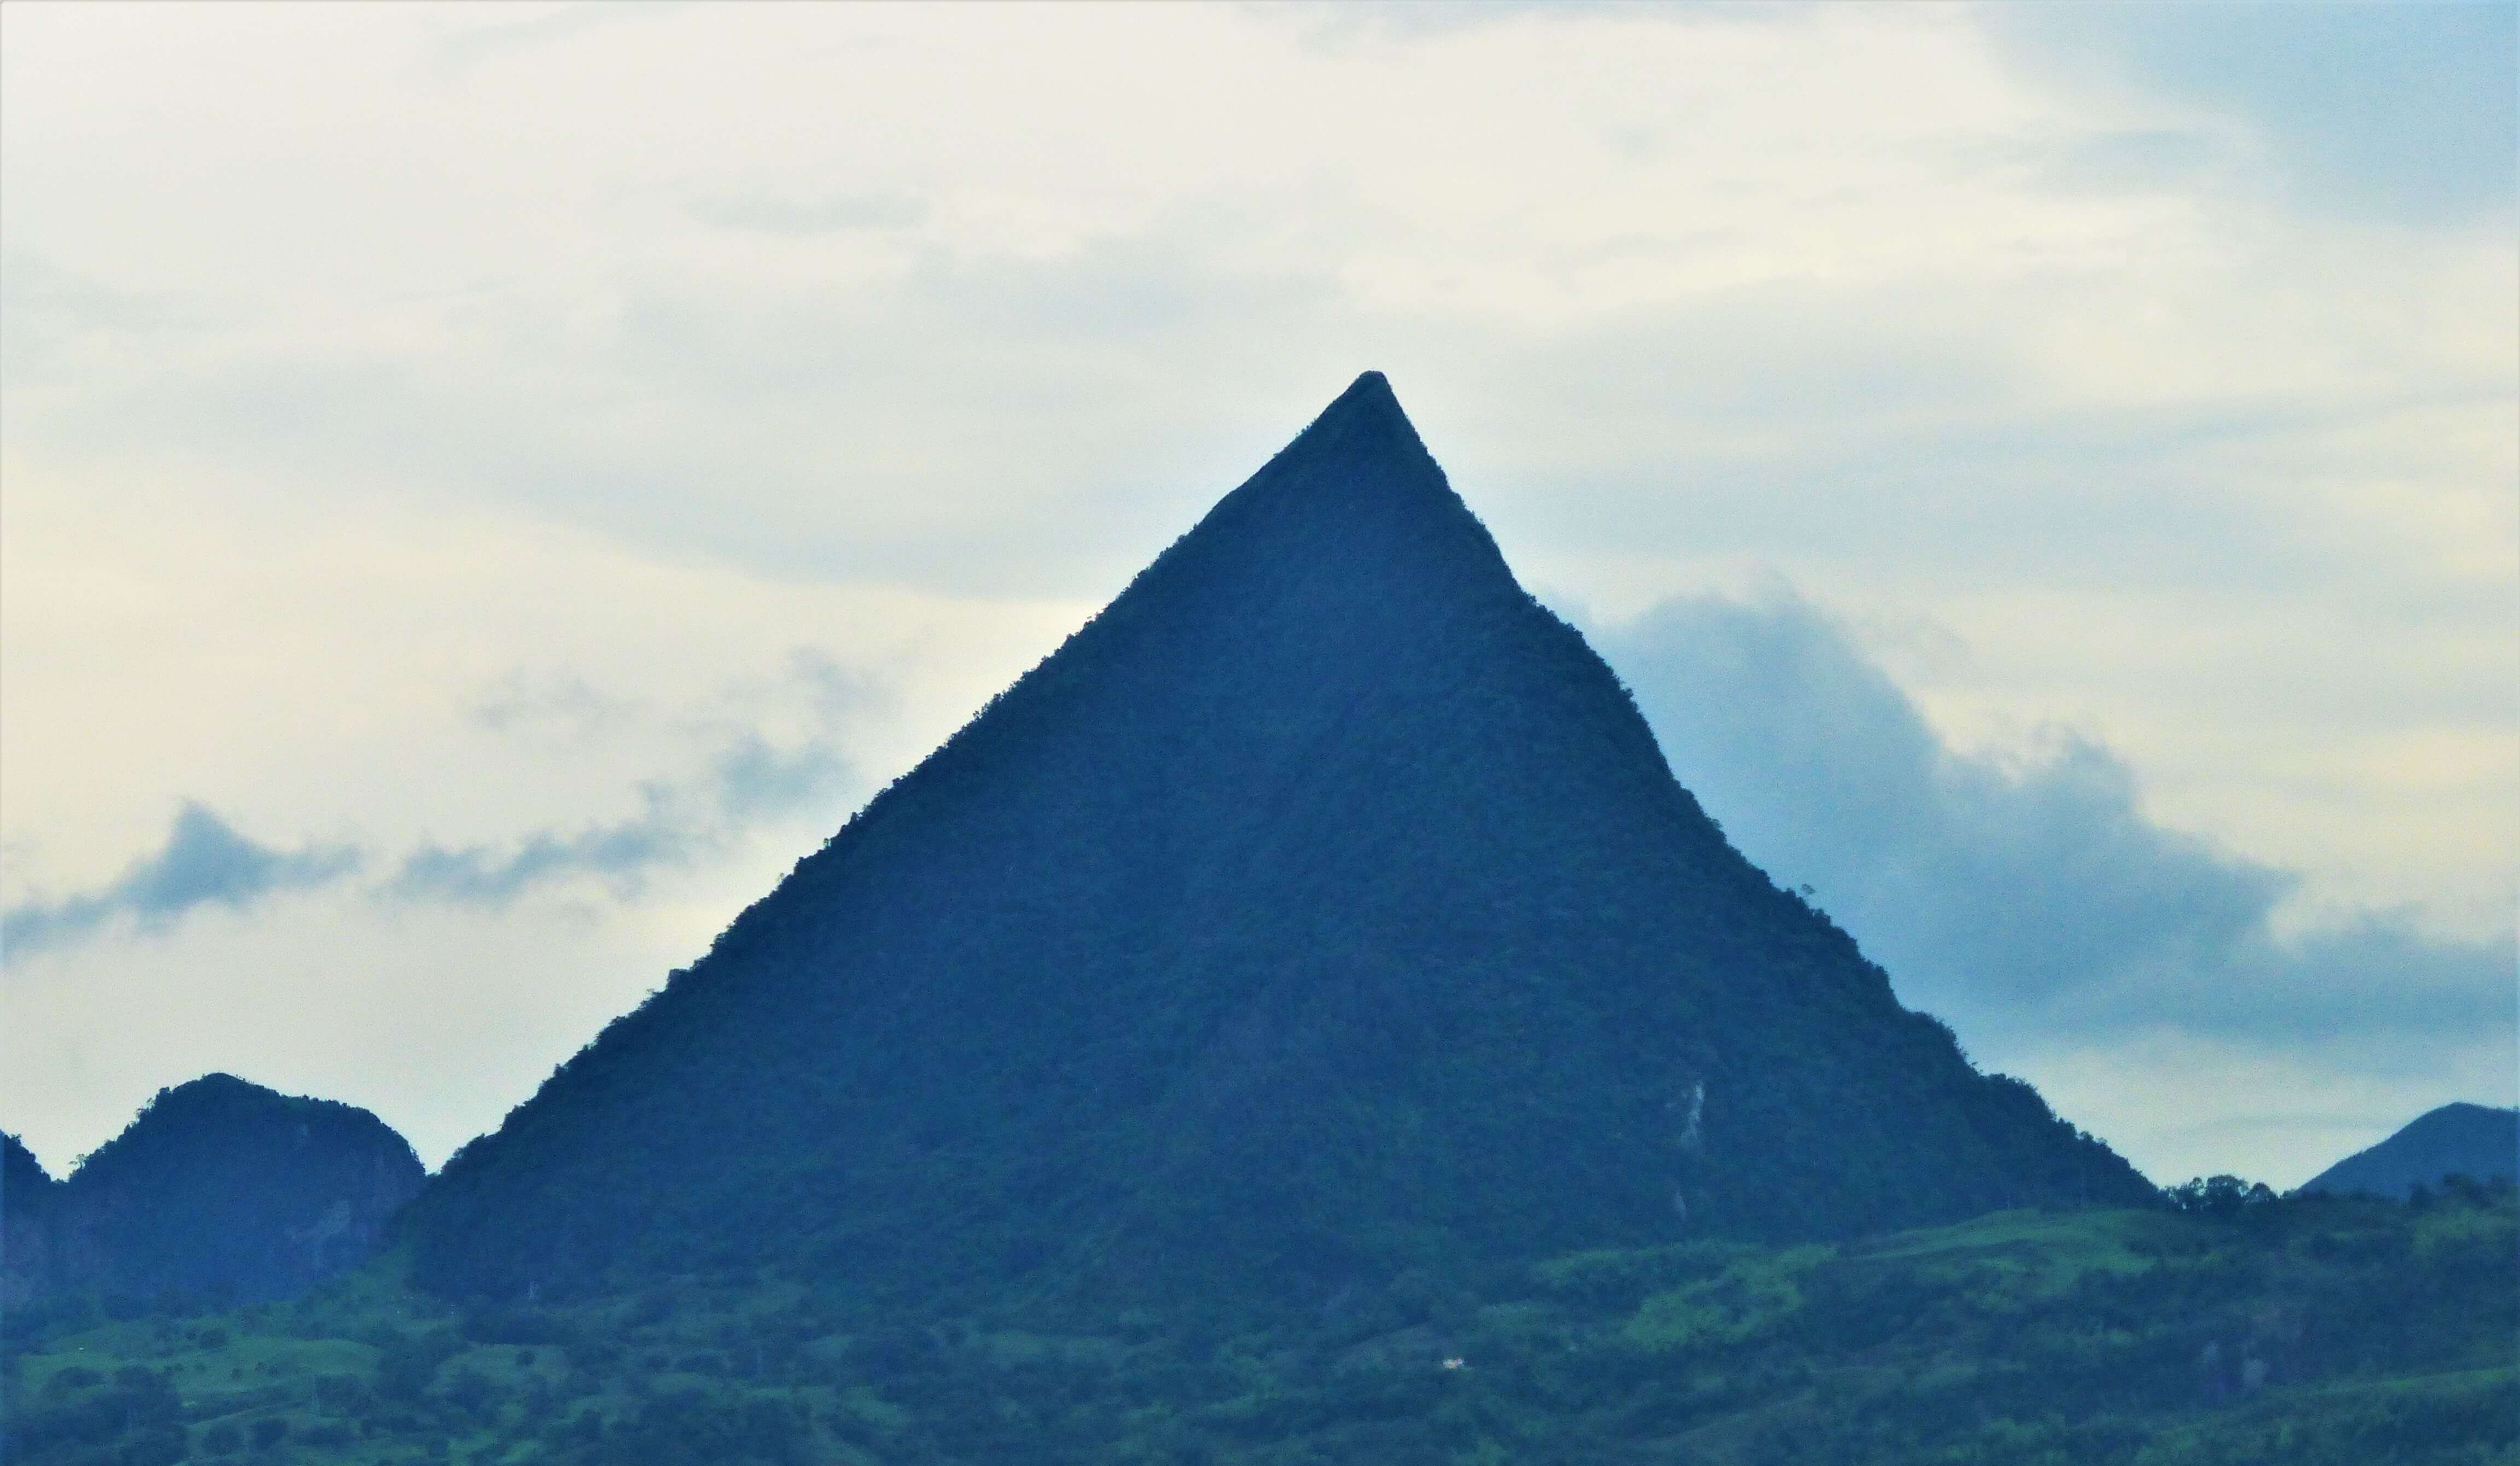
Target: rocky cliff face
(220,1188)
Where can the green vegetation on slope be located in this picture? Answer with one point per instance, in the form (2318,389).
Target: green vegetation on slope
(2303,1331)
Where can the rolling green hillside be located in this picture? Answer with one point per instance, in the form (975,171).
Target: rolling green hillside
(2301,1332)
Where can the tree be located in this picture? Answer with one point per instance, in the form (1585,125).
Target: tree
(2218,1196)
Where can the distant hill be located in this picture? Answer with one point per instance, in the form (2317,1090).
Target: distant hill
(2475,1141)
(218,1188)
(1323,908)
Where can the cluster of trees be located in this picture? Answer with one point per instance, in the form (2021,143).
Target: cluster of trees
(2312,1331)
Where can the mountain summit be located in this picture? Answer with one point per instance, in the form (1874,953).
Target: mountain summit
(1322,908)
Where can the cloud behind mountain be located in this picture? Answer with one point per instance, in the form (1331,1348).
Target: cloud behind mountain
(2022,892)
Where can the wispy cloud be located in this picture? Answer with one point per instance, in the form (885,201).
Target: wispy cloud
(487,875)
(55,311)
(555,701)
(204,861)
(460,52)
(748,783)
(753,779)
(743,781)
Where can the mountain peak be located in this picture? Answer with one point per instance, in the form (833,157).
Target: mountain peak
(1361,444)
(1368,406)
(1353,509)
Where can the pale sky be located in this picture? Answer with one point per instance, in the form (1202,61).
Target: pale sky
(484,488)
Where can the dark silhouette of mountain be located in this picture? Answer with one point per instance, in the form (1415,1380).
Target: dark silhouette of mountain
(28,1195)
(2471,1140)
(1324,906)
(220,1188)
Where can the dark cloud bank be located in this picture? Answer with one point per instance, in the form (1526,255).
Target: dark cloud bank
(2022,897)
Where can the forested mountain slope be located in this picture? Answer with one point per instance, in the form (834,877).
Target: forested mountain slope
(1322,908)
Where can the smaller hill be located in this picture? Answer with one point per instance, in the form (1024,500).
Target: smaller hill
(221,1188)
(2470,1140)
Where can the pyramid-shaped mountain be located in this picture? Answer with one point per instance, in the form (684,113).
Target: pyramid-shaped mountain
(1321,907)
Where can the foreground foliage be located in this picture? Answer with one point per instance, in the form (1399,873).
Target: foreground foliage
(2307,1331)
